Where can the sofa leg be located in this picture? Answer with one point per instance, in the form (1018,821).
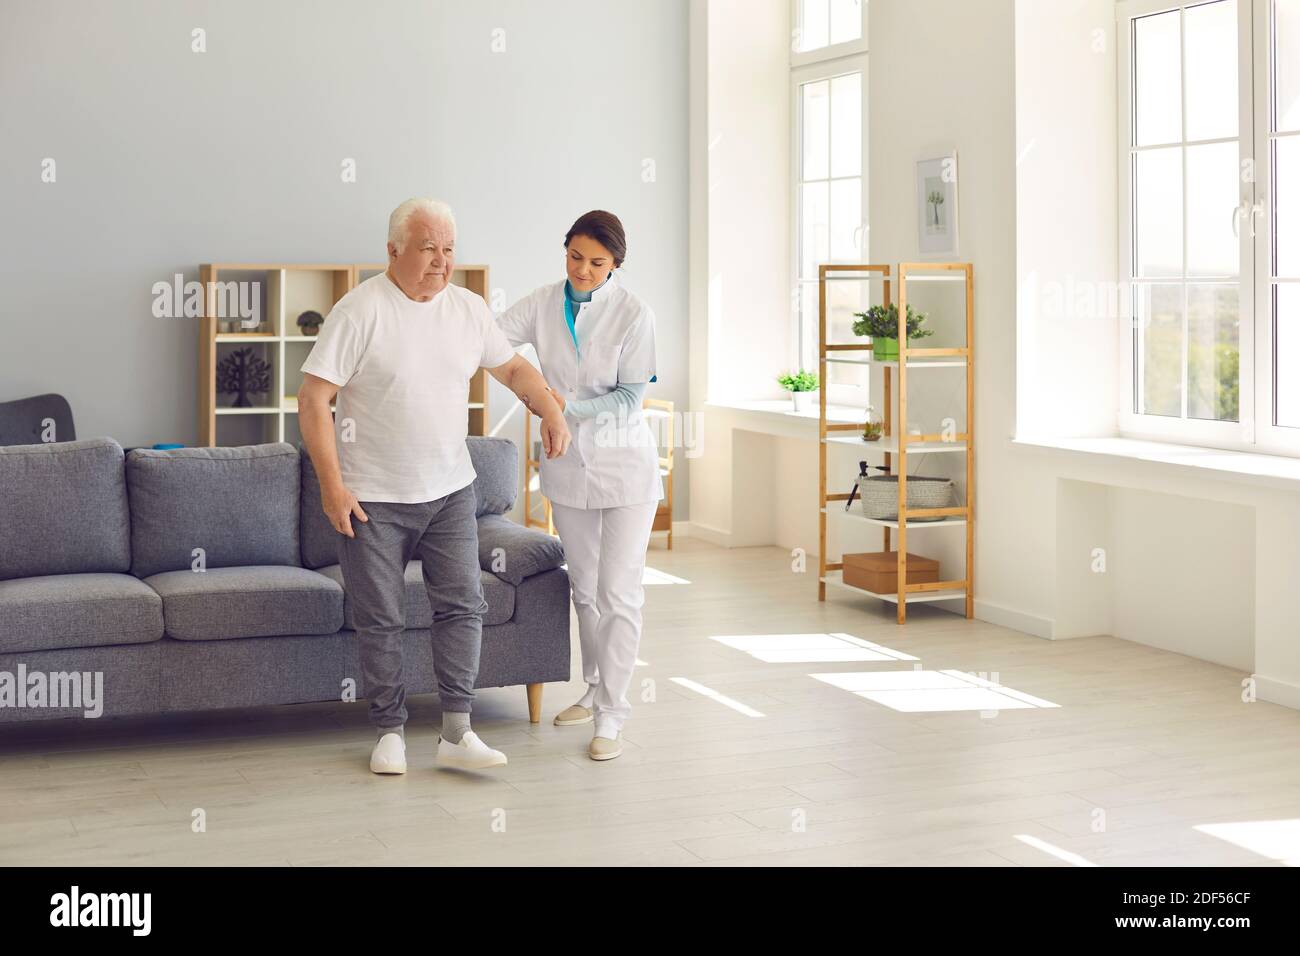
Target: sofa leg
(534,703)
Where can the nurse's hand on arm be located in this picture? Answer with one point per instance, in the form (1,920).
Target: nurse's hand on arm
(520,377)
(622,400)
(317,427)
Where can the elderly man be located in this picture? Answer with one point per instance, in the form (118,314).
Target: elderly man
(399,351)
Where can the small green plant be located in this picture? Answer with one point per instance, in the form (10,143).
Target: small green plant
(801,381)
(881,322)
(872,431)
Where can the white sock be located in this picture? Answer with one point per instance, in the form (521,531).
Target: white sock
(588,698)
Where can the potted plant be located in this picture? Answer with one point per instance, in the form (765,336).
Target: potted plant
(801,386)
(881,324)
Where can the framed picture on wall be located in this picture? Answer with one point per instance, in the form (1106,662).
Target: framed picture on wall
(936,200)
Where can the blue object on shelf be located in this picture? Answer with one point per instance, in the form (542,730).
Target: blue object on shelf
(166,447)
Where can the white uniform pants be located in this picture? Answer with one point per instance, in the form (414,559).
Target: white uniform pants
(605,552)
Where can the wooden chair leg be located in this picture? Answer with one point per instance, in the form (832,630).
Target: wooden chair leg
(535,703)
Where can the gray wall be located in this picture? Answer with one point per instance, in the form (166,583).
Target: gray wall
(167,158)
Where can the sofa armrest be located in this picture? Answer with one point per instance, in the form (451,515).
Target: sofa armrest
(522,552)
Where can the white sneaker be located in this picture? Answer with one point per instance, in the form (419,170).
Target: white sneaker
(389,755)
(470,754)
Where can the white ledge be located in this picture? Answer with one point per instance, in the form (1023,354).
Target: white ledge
(1272,471)
(777,417)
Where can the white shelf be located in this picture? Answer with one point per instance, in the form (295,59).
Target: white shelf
(912,363)
(258,410)
(925,363)
(912,524)
(889,444)
(836,578)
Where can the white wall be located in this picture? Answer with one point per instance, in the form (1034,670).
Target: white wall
(748,123)
(1066,217)
(169,158)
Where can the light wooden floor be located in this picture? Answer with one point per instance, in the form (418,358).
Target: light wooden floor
(1149,743)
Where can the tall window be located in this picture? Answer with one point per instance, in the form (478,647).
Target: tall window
(1210,169)
(828,84)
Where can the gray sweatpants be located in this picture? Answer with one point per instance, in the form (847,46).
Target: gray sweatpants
(443,535)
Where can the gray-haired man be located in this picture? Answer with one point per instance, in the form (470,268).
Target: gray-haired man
(399,351)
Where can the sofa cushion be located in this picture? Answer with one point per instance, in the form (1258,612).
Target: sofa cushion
(63,509)
(47,612)
(240,505)
(260,601)
(499,595)
(320,542)
(513,552)
(496,463)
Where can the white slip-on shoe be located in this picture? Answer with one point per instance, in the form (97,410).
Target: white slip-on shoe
(574,714)
(389,755)
(470,754)
(605,748)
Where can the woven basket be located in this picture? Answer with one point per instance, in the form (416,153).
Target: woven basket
(879,495)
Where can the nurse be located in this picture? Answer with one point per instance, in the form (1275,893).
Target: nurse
(596,344)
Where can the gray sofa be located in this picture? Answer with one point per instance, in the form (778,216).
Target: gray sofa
(98,558)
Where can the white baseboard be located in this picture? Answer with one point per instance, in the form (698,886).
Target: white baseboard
(1016,620)
(1277,691)
(705,533)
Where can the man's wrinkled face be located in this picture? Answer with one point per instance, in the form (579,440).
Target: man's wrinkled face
(423,265)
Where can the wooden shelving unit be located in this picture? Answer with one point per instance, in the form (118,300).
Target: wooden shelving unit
(285,291)
(891,446)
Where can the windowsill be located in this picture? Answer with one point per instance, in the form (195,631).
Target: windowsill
(782,410)
(1270,471)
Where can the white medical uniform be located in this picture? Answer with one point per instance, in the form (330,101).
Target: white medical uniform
(605,489)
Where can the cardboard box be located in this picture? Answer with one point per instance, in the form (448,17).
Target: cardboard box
(877,571)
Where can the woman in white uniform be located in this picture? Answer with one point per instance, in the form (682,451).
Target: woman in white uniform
(596,344)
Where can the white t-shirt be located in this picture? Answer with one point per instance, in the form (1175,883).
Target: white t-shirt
(404,368)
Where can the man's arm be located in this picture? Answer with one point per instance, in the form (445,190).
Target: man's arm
(317,427)
(527,383)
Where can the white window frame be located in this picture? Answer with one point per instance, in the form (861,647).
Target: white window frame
(1255,430)
(809,67)
(833,51)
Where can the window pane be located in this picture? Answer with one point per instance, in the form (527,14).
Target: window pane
(842,300)
(846,218)
(1213,351)
(1286,65)
(1286,206)
(1158,197)
(1159,312)
(846,125)
(1157,98)
(1286,379)
(1211,70)
(846,20)
(816,129)
(813,24)
(1212,194)
(816,228)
